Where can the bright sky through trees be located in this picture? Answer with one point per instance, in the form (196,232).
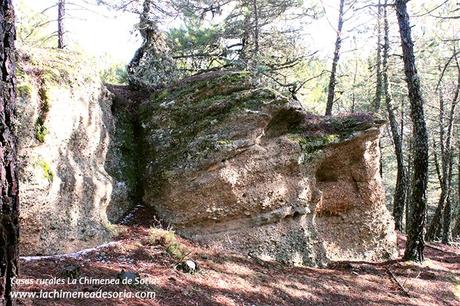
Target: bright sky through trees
(100,32)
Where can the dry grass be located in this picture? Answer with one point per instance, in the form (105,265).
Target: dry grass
(167,238)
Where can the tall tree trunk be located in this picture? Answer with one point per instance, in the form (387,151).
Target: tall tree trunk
(9,202)
(245,40)
(399,198)
(410,176)
(415,239)
(335,61)
(446,228)
(379,84)
(447,233)
(355,76)
(60,21)
(441,170)
(456,229)
(256,30)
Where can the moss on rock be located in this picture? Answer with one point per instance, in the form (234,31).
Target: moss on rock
(25,90)
(310,144)
(40,130)
(48,173)
(125,134)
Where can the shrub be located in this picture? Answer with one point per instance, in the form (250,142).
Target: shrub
(177,251)
(168,239)
(161,236)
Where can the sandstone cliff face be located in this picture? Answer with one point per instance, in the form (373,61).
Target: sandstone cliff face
(67,148)
(242,167)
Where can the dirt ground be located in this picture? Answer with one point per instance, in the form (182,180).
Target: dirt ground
(231,279)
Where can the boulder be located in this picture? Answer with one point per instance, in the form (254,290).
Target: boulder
(234,164)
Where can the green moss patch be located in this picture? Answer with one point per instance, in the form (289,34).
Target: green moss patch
(44,69)
(125,138)
(314,143)
(353,123)
(46,170)
(45,106)
(40,130)
(25,90)
(182,122)
(25,85)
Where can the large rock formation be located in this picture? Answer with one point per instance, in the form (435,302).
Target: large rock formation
(72,176)
(241,166)
(223,159)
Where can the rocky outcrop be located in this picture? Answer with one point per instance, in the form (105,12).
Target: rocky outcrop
(240,166)
(223,159)
(72,177)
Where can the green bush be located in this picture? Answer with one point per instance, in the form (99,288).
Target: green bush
(177,251)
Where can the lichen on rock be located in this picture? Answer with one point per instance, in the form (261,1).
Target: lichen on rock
(232,163)
(223,158)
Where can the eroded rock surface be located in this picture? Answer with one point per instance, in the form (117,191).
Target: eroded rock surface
(72,178)
(221,158)
(241,166)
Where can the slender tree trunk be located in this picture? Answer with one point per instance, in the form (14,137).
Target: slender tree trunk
(415,239)
(456,229)
(60,21)
(335,61)
(9,202)
(446,228)
(435,230)
(245,40)
(355,76)
(410,176)
(441,170)
(256,30)
(448,157)
(399,198)
(379,84)
(435,225)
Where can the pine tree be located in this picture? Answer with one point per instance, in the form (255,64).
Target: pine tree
(415,239)
(9,213)
(335,60)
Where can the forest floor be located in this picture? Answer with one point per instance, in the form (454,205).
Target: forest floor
(231,279)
